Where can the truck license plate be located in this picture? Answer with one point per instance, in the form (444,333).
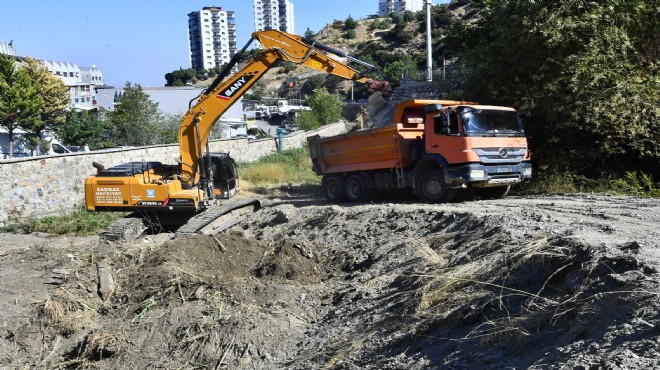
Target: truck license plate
(504,169)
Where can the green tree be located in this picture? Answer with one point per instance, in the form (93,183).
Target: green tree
(312,84)
(168,129)
(20,102)
(326,107)
(349,34)
(408,16)
(180,77)
(394,71)
(307,120)
(309,34)
(135,120)
(56,99)
(397,18)
(350,23)
(585,73)
(81,128)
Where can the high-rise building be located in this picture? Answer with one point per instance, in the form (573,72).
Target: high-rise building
(273,15)
(386,7)
(212,34)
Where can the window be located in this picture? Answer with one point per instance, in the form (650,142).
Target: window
(453,123)
(57,148)
(437,124)
(440,124)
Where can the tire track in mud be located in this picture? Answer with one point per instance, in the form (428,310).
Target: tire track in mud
(550,281)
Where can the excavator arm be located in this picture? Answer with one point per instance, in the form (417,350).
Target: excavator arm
(189,195)
(223,92)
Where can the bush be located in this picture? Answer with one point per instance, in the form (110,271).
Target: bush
(79,223)
(556,181)
(350,23)
(307,120)
(350,34)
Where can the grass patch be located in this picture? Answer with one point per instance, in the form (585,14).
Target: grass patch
(632,183)
(288,166)
(79,223)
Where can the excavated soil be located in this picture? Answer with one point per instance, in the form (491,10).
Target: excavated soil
(538,282)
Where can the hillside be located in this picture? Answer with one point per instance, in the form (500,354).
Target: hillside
(378,40)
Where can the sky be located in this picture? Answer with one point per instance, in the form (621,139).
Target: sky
(139,41)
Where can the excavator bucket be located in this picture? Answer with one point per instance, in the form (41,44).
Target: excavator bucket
(379,109)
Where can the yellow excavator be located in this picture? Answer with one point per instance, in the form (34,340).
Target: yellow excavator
(192,194)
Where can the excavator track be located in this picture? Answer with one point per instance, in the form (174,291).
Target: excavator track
(124,229)
(219,218)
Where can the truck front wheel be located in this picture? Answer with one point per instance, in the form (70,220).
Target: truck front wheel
(333,188)
(434,189)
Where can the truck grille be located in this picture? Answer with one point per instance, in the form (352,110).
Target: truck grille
(501,155)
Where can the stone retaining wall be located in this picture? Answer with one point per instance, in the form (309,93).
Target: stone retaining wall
(415,90)
(51,185)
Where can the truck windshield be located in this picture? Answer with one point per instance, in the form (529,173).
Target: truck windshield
(490,122)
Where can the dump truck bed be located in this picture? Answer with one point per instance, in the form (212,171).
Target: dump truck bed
(372,149)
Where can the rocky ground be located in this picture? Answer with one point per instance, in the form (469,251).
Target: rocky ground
(547,281)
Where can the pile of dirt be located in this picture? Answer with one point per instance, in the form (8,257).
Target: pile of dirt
(539,282)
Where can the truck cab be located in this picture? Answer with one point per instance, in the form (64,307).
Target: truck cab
(482,145)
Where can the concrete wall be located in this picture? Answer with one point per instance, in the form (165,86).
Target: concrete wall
(51,185)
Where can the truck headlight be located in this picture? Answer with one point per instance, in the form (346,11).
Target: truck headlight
(527,172)
(477,174)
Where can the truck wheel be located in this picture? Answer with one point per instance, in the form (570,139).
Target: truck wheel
(356,189)
(333,188)
(433,188)
(493,193)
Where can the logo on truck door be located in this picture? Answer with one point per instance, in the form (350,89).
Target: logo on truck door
(237,85)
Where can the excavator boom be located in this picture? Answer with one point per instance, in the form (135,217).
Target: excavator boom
(215,100)
(190,195)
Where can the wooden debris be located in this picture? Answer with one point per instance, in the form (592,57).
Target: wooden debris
(106,284)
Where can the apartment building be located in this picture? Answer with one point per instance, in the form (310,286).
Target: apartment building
(7,48)
(212,35)
(386,7)
(92,75)
(274,15)
(82,88)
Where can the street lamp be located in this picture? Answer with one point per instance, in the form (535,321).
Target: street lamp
(429,56)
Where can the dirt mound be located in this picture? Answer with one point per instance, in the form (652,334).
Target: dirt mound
(542,282)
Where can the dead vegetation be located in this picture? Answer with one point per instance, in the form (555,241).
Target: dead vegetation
(383,286)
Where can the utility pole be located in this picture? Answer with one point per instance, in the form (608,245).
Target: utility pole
(429,56)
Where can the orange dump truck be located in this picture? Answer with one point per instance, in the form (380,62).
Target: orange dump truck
(436,148)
